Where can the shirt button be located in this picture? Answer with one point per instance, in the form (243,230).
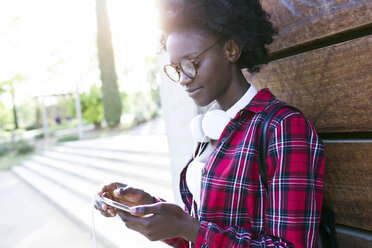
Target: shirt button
(223,140)
(204,171)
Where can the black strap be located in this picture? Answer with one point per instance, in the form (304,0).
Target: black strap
(327,227)
(262,143)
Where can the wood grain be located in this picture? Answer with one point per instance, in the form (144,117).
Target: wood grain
(303,21)
(331,85)
(348,237)
(348,183)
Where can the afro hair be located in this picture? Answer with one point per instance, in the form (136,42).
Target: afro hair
(242,20)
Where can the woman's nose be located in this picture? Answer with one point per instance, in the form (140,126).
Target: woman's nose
(184,79)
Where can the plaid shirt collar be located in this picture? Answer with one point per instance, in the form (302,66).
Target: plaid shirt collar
(261,100)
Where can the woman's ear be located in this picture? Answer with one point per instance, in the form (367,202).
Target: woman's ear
(232,51)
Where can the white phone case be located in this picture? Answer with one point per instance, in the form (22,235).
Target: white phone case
(113,203)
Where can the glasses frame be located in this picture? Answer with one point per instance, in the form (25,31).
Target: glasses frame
(179,68)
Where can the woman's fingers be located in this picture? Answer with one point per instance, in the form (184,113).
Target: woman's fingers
(104,206)
(123,215)
(132,196)
(151,226)
(104,209)
(161,221)
(97,206)
(122,192)
(112,211)
(147,209)
(109,188)
(106,214)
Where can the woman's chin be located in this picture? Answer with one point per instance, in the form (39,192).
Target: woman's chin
(201,102)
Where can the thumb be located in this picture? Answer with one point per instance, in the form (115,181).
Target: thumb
(142,210)
(121,192)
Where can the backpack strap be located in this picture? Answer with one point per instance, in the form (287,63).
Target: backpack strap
(262,143)
(327,226)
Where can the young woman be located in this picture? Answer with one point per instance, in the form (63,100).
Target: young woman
(209,43)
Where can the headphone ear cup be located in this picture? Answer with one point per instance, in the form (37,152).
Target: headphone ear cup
(214,122)
(197,130)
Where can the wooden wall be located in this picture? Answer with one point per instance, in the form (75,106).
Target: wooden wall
(322,64)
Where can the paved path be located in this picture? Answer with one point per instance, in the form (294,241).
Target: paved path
(28,220)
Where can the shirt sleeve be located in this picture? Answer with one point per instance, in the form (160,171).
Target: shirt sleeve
(213,236)
(296,160)
(295,176)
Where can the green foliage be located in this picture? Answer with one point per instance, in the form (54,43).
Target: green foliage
(32,127)
(26,115)
(68,138)
(12,159)
(39,135)
(8,86)
(125,103)
(6,117)
(20,147)
(66,106)
(4,149)
(23,147)
(91,105)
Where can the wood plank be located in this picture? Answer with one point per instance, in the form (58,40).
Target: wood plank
(348,183)
(349,237)
(301,21)
(331,85)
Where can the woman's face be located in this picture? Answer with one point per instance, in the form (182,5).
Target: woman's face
(212,79)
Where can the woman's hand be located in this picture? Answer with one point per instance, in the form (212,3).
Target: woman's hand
(161,221)
(124,194)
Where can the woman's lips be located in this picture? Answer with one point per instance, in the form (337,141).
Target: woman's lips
(194,92)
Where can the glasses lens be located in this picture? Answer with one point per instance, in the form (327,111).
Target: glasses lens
(188,68)
(172,73)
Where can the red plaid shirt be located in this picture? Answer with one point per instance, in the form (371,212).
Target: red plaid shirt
(236,210)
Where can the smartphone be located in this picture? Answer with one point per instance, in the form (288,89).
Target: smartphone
(113,203)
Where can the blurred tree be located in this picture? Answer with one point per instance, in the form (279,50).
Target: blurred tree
(5,116)
(91,106)
(8,86)
(26,114)
(110,91)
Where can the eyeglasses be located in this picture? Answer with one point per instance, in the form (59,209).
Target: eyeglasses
(187,66)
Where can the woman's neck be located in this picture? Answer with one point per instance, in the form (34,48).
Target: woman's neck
(238,87)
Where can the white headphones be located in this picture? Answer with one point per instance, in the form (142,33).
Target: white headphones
(209,126)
